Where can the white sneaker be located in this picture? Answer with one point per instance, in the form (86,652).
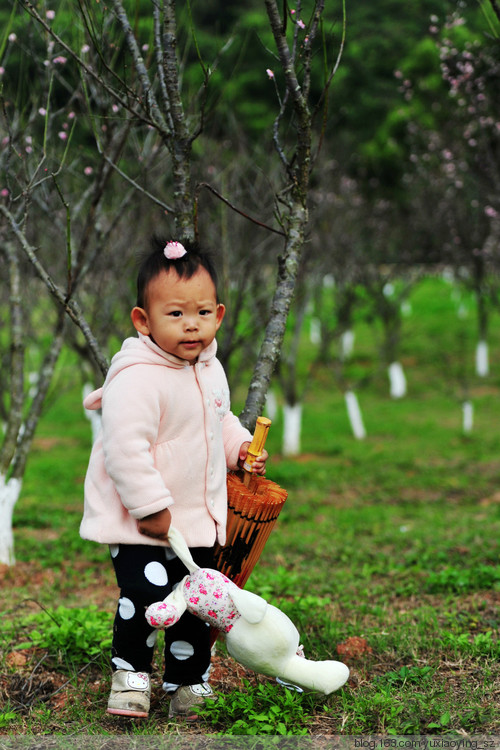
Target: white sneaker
(187,697)
(130,694)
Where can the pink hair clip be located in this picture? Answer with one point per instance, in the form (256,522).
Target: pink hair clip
(174,250)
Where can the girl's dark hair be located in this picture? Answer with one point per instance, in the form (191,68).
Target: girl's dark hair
(155,262)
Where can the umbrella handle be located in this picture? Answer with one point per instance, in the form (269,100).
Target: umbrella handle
(256,446)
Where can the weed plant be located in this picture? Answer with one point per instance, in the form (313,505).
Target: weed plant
(386,555)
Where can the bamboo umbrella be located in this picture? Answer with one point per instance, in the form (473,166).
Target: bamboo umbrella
(254,504)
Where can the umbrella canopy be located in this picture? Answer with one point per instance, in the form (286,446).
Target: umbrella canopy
(252,513)
(254,504)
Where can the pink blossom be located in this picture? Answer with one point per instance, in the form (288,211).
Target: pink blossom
(270,73)
(85,49)
(301,24)
(50,15)
(4,193)
(2,70)
(490,212)
(12,37)
(88,171)
(71,116)
(42,111)
(62,135)
(60,60)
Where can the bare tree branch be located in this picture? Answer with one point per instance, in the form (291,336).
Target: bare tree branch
(70,306)
(206,186)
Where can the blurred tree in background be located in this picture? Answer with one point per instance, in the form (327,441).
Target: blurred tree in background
(239,125)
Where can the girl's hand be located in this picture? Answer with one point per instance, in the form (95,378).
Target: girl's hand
(259,465)
(156,525)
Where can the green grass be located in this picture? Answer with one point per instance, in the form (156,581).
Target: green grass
(387,549)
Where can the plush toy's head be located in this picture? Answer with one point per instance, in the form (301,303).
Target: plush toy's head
(205,593)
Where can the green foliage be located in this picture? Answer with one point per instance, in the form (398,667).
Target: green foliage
(461,580)
(393,540)
(6,718)
(406,675)
(482,644)
(266,709)
(71,636)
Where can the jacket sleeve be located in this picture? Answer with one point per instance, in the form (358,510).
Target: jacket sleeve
(233,434)
(129,433)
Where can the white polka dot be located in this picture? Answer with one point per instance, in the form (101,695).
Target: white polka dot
(122,664)
(126,608)
(181,650)
(155,573)
(151,640)
(114,549)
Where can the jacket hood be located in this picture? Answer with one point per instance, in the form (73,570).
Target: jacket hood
(143,351)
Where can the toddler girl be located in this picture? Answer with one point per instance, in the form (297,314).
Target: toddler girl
(167,439)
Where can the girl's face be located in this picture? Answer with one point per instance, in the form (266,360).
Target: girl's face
(182,316)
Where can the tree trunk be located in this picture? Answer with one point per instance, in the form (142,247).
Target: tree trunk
(275,331)
(292,424)
(10,489)
(346,344)
(397,380)
(354,414)
(482,359)
(467,417)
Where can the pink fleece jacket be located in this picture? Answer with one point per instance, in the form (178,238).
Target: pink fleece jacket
(167,439)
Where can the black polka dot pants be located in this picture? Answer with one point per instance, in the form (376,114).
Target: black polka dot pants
(147,574)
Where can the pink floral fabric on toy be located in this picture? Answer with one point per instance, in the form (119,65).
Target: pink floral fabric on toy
(162,615)
(207,593)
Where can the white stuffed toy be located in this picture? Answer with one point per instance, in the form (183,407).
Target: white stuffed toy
(258,635)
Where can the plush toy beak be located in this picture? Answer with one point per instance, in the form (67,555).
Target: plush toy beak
(320,677)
